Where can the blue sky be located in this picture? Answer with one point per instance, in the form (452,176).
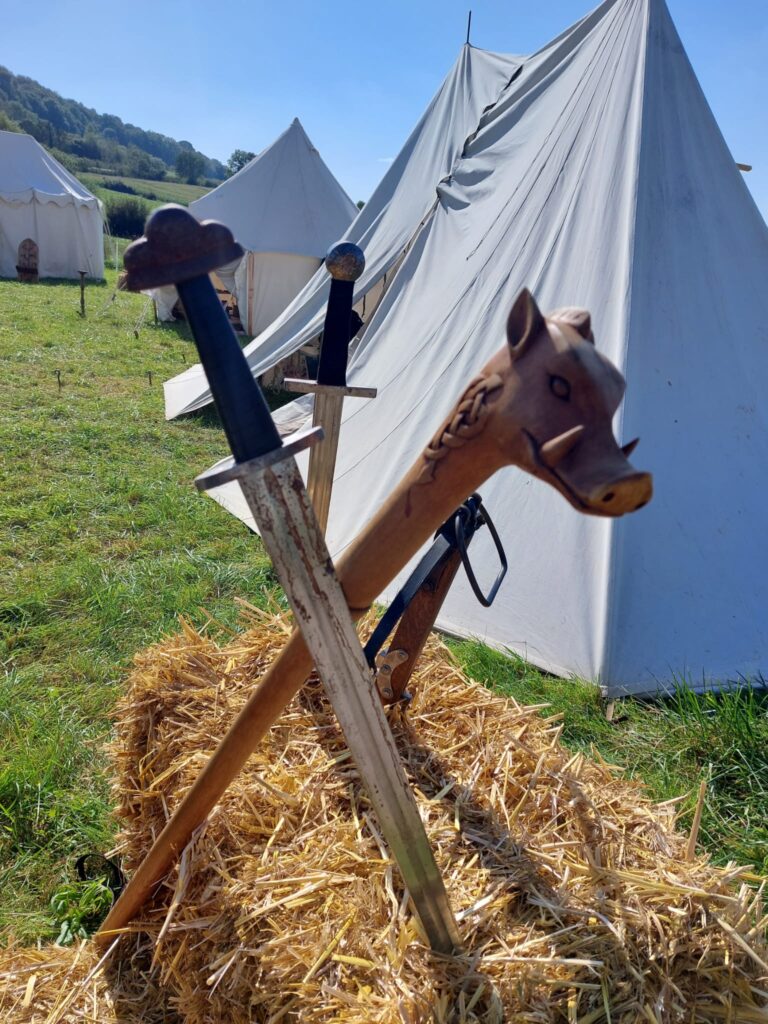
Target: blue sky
(357,75)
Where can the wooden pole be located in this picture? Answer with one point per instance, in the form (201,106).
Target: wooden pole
(82,292)
(417,622)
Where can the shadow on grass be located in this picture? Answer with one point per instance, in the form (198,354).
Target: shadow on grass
(209,417)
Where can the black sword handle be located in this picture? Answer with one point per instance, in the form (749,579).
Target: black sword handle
(345,262)
(178,249)
(244,413)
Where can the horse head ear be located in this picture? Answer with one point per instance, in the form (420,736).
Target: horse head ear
(524,324)
(579,319)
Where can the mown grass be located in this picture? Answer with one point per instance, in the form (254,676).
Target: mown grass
(104,543)
(154,192)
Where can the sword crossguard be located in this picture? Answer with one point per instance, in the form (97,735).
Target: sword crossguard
(177,247)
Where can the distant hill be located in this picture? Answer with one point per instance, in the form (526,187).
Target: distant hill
(84,140)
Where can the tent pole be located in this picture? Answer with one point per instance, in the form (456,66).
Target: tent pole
(469,25)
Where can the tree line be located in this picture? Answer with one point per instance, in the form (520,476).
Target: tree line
(84,140)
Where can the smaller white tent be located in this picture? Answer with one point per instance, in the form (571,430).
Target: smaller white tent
(41,200)
(286,209)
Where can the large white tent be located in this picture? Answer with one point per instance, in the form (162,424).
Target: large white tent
(598,177)
(286,209)
(41,200)
(386,224)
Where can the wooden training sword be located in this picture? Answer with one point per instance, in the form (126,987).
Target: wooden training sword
(179,250)
(345,263)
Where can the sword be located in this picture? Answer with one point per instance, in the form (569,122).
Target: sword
(179,250)
(345,263)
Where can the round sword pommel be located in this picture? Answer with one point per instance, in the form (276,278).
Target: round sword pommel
(176,247)
(345,261)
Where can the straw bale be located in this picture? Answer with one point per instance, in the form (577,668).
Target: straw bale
(575,895)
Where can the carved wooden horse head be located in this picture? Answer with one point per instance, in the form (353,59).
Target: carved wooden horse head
(545,403)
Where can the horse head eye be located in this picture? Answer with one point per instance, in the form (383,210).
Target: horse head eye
(560,387)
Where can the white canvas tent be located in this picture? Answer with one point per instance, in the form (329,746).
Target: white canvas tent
(41,200)
(598,178)
(386,224)
(286,209)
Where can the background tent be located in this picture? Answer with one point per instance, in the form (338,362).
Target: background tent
(41,200)
(286,209)
(386,224)
(599,178)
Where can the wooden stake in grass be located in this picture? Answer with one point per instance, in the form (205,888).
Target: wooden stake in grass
(82,293)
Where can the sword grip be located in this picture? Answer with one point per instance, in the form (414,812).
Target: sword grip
(332,368)
(345,263)
(244,413)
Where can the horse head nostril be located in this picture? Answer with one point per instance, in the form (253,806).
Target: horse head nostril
(621,494)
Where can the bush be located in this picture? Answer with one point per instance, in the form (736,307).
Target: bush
(126,217)
(119,186)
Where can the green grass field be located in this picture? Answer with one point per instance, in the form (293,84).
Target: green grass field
(104,542)
(154,192)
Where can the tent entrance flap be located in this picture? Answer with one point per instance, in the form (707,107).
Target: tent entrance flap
(266,282)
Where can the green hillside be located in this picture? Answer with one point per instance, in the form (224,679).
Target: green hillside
(154,192)
(129,201)
(86,141)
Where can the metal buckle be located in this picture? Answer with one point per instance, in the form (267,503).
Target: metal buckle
(468,518)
